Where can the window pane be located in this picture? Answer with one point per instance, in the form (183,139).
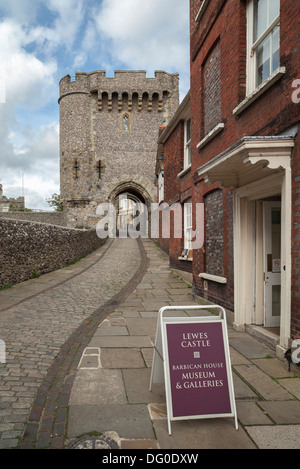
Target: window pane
(188,130)
(276,293)
(188,230)
(189,155)
(260,17)
(265,12)
(263,61)
(274,10)
(125,123)
(276,54)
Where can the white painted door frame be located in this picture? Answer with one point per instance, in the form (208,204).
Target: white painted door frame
(247,277)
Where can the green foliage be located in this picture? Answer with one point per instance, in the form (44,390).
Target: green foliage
(55,202)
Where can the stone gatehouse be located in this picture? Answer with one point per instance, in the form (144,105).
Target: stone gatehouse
(108,138)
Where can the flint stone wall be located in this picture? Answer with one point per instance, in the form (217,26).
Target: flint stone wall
(29,249)
(51,218)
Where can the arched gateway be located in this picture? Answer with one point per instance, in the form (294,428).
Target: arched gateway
(132,204)
(108,138)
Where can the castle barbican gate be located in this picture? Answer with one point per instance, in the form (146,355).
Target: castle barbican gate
(108,138)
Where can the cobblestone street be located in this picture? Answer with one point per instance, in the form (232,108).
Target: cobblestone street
(35,329)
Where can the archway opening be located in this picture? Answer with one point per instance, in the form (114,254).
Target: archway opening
(133,210)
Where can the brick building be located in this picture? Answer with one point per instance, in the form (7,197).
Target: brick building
(245,162)
(108,135)
(176,197)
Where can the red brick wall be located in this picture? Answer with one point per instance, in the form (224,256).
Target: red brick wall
(216,293)
(212,89)
(176,191)
(224,23)
(274,111)
(295,320)
(173,163)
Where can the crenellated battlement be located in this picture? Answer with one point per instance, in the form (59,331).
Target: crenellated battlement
(126,88)
(131,100)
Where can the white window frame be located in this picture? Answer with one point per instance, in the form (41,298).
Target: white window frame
(188,225)
(253,45)
(161,188)
(187,145)
(202,9)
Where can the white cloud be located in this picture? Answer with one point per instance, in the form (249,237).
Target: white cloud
(70,15)
(28,84)
(151,34)
(35,154)
(27,79)
(21,10)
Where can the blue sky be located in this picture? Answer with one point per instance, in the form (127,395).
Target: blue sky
(43,40)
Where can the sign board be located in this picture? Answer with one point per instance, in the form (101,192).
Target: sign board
(276,265)
(191,355)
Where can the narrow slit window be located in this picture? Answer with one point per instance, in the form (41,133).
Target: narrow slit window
(76,168)
(99,169)
(126,123)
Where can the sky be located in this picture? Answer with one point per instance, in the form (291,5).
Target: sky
(41,41)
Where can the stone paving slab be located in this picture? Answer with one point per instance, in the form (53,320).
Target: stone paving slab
(121,358)
(128,421)
(274,437)
(139,444)
(263,384)
(111,330)
(292,385)
(121,341)
(142,326)
(250,347)
(204,434)
(273,367)
(242,389)
(287,412)
(141,393)
(237,358)
(98,387)
(250,413)
(148,354)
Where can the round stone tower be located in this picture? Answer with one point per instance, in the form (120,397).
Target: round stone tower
(108,138)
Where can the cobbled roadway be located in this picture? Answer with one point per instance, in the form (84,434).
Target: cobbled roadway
(35,330)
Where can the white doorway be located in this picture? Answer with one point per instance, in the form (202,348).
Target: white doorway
(272,263)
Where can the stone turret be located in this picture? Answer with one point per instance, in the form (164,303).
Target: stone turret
(11,204)
(108,137)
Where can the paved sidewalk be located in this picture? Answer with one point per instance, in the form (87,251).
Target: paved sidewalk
(79,355)
(111,393)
